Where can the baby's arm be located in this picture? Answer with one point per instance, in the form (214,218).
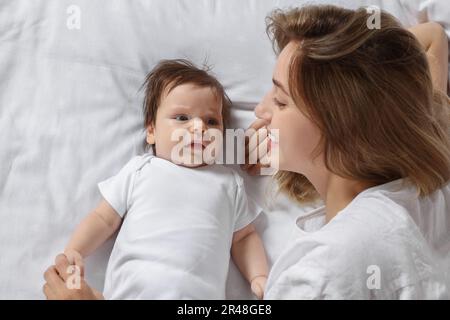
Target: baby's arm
(92,232)
(433,39)
(249,256)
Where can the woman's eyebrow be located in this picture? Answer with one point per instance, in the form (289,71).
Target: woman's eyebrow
(279,85)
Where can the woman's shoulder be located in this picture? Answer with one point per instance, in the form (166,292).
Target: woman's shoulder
(354,259)
(379,223)
(394,211)
(375,236)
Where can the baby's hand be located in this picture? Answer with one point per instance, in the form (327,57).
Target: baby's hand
(258,284)
(75,258)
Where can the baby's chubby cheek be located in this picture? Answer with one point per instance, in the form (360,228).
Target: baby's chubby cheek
(163,148)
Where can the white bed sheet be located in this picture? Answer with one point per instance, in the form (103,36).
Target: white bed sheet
(70,113)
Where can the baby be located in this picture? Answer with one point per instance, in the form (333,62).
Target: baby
(179,217)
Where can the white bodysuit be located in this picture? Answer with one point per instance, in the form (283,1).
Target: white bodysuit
(178,225)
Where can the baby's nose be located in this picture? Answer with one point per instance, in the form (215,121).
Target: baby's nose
(197,126)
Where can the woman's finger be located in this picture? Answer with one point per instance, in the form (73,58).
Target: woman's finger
(257,153)
(52,277)
(254,137)
(253,129)
(54,280)
(258,123)
(255,148)
(260,150)
(62,266)
(258,139)
(48,292)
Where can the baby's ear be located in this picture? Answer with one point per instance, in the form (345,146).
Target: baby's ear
(150,134)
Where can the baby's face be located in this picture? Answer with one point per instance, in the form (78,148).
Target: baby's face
(190,109)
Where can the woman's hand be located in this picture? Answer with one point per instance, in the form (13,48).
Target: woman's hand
(259,135)
(65,281)
(258,285)
(75,258)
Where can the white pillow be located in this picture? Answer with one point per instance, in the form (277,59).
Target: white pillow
(70,114)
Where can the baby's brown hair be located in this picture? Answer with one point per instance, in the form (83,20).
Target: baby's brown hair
(167,75)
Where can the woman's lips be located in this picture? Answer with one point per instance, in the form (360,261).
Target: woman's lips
(272,137)
(272,141)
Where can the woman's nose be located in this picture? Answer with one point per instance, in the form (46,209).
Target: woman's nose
(262,110)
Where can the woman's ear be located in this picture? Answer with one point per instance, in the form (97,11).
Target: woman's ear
(150,134)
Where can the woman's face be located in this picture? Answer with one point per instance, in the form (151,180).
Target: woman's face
(298,136)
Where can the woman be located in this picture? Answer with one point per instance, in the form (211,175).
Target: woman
(361,127)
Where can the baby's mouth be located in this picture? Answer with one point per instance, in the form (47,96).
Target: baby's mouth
(197,146)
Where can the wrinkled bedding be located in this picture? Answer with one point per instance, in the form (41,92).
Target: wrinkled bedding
(70,110)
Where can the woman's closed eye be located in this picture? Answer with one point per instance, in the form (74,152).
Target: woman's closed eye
(278,103)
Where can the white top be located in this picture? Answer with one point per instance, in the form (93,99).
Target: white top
(176,236)
(386,244)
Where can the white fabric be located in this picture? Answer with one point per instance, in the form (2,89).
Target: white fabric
(178,225)
(70,114)
(429,10)
(385,232)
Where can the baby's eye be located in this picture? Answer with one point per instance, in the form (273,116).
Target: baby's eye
(213,122)
(181,117)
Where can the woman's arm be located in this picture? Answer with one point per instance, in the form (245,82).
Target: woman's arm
(434,40)
(249,256)
(93,230)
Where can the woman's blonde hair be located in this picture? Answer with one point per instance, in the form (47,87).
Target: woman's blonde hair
(369,91)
